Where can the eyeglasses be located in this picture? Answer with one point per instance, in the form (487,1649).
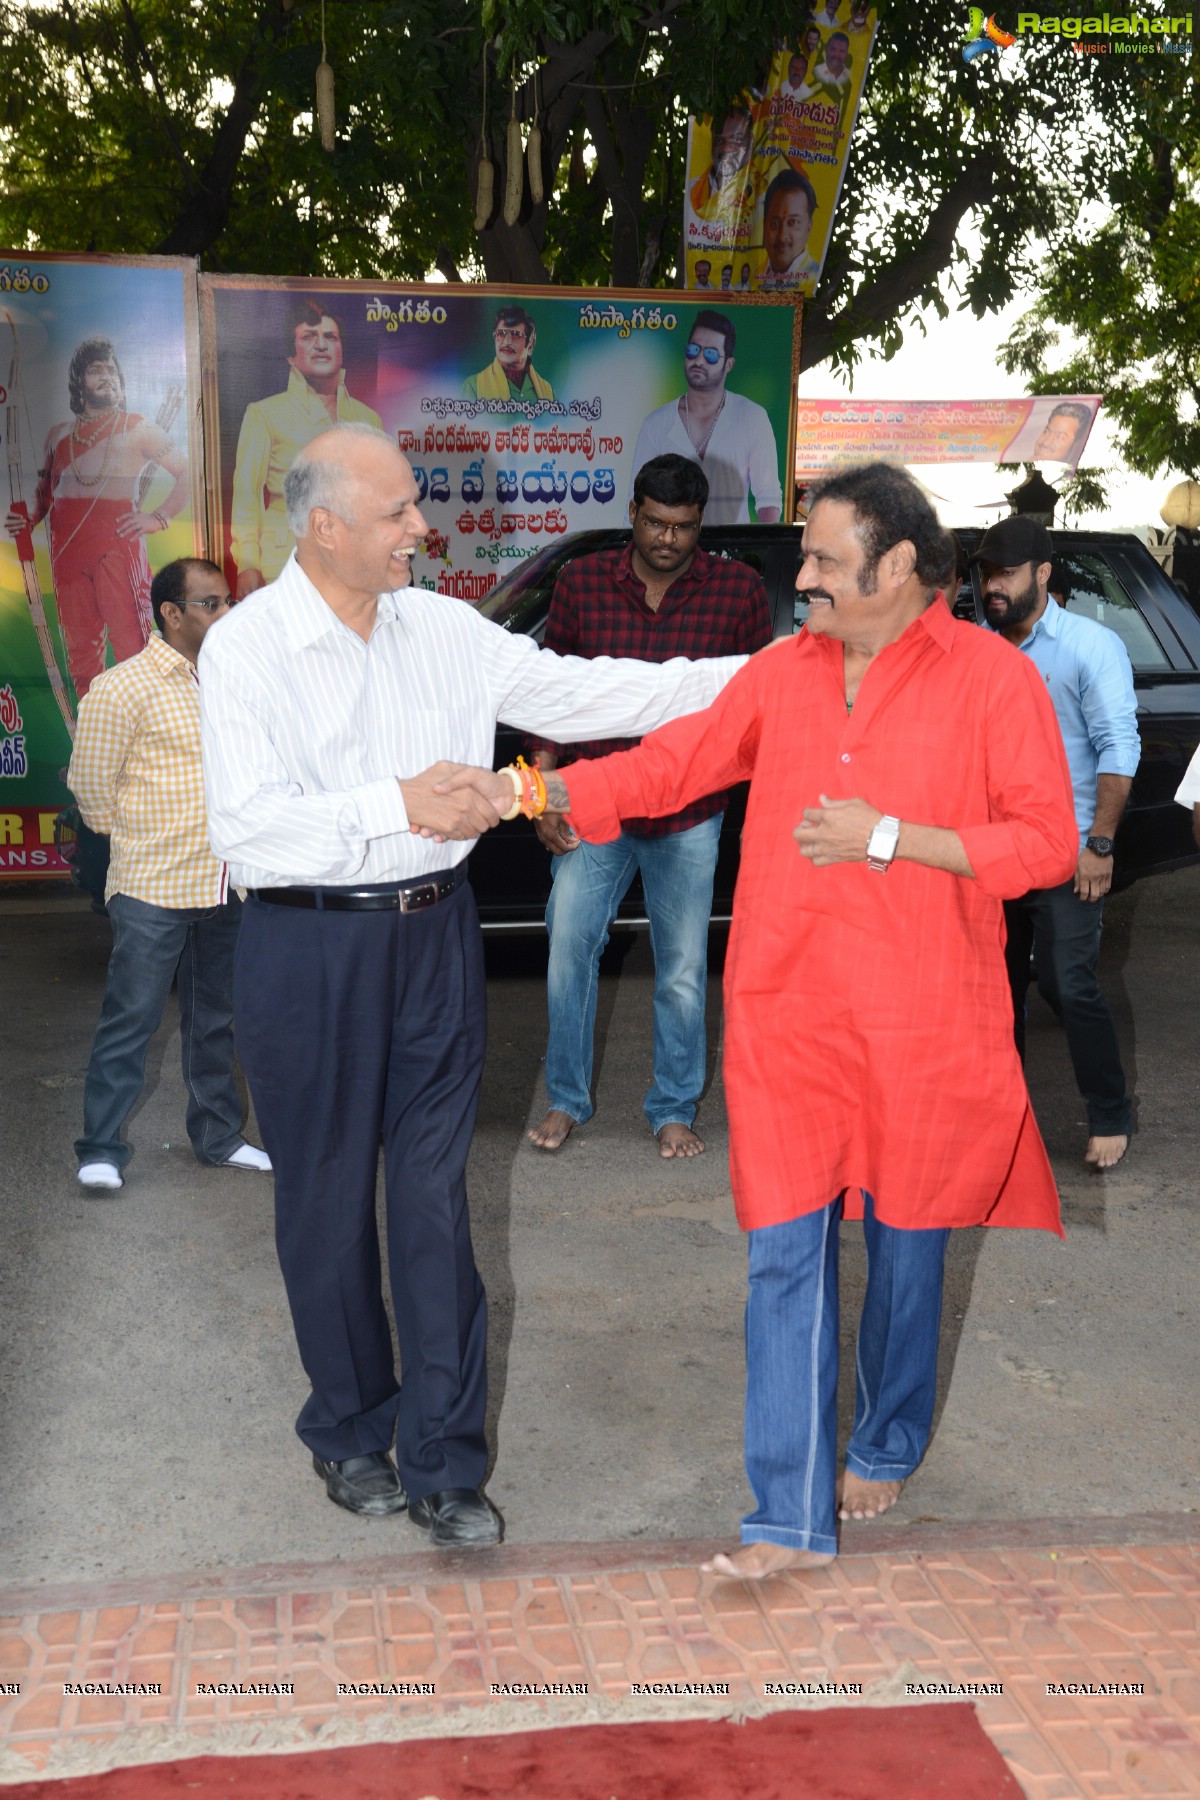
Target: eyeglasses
(709,352)
(514,334)
(660,527)
(208,606)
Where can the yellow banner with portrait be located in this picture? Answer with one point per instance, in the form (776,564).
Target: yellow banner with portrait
(764,176)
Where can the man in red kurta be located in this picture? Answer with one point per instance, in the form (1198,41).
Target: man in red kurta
(907,776)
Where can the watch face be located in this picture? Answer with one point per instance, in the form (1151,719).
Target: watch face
(1100,846)
(881,845)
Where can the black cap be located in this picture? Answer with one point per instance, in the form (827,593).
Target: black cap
(1014,541)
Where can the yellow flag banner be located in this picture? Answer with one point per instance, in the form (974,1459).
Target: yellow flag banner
(764,177)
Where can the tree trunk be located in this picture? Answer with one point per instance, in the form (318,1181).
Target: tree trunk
(205,213)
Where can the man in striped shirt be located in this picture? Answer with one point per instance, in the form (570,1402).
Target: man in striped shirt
(336,701)
(135,771)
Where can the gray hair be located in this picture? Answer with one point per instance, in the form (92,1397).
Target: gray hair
(323,481)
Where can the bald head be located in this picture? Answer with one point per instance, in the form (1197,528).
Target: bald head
(331,470)
(352,504)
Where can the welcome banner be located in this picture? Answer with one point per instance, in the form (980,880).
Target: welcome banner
(524,413)
(99,402)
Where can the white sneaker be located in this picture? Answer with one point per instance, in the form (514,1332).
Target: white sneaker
(247,1157)
(100,1175)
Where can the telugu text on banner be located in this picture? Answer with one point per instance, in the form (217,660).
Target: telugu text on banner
(524,414)
(1051,428)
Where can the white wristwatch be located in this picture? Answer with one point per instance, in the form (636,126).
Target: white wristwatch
(881,845)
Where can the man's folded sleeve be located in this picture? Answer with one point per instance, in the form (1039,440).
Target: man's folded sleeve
(1031,839)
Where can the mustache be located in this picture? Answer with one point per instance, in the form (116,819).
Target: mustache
(816,593)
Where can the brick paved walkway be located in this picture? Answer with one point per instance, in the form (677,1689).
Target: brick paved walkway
(1025,1608)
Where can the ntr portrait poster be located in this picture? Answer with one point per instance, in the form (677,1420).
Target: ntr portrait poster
(524,413)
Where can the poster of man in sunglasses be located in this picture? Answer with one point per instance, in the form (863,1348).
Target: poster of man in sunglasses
(729,435)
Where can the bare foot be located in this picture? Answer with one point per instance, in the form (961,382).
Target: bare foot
(1105,1152)
(859,1499)
(679,1140)
(754,1562)
(553,1131)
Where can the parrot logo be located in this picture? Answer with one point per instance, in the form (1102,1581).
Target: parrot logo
(985,37)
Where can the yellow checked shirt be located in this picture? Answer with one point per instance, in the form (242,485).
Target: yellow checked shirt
(135,771)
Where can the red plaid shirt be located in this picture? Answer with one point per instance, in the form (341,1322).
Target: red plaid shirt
(717,607)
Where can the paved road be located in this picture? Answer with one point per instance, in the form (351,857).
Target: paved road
(150,1378)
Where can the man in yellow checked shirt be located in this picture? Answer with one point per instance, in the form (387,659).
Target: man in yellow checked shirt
(135,771)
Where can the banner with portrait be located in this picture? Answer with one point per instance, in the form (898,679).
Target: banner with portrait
(763,177)
(99,370)
(524,413)
(1046,428)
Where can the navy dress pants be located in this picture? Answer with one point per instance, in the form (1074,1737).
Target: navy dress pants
(352,1027)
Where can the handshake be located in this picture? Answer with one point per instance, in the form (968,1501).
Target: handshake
(453,800)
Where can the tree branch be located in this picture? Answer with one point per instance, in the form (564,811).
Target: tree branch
(206,213)
(905,280)
(168,123)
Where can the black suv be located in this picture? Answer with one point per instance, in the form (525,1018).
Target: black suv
(1113,578)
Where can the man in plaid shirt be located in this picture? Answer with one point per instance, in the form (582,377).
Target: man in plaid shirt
(661,596)
(135,771)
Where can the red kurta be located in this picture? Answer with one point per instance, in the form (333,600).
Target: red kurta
(868,1038)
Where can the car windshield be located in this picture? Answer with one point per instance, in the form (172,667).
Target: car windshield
(510,603)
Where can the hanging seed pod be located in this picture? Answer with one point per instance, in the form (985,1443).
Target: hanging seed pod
(484,189)
(325,112)
(533,155)
(515,172)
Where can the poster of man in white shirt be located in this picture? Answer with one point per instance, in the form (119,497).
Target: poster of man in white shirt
(788,211)
(729,435)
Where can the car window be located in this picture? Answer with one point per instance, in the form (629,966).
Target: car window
(524,596)
(964,602)
(731,551)
(1097,594)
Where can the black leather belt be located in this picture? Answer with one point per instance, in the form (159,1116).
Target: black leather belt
(412,896)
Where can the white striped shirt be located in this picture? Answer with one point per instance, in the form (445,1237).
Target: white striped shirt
(307,729)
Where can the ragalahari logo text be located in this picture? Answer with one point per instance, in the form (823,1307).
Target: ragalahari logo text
(1107,34)
(985,37)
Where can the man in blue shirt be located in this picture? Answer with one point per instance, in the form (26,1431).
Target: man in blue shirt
(1090,680)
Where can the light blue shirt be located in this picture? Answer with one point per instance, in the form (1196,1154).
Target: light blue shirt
(1089,677)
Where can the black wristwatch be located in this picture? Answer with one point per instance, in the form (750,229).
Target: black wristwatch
(1100,846)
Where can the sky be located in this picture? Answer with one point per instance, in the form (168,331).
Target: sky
(955,359)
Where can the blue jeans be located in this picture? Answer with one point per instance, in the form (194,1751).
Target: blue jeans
(151,944)
(589,885)
(1063,933)
(792,1369)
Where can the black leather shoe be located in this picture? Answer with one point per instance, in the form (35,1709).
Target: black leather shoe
(457,1518)
(364,1484)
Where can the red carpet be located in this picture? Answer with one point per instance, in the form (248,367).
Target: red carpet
(875,1753)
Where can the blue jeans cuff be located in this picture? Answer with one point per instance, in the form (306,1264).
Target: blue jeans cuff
(790,1540)
(672,1119)
(879,1471)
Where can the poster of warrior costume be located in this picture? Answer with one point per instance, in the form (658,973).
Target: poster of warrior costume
(524,413)
(101,443)
(764,176)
